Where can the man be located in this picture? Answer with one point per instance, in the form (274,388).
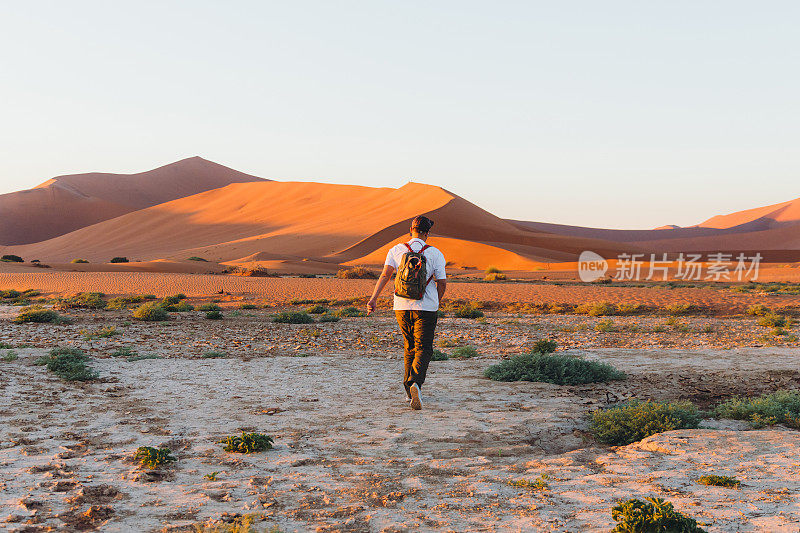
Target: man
(417,318)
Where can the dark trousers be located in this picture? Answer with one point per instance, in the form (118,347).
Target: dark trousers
(418,328)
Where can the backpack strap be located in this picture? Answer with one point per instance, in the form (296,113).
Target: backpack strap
(408,245)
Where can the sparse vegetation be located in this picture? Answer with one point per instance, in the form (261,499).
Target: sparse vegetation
(10,355)
(719,481)
(247,443)
(781,407)
(439,355)
(195,258)
(150,312)
(635,420)
(154,457)
(540,483)
(39,314)
(11,258)
(289,317)
(356,273)
(78,261)
(552,368)
(317,309)
(605,326)
(758,310)
(651,515)
(596,309)
(350,312)
(102,333)
(544,346)
(82,300)
(248,306)
(68,363)
(493,270)
(119,260)
(772,320)
(122,302)
(209,307)
(214,315)
(468,310)
(464,352)
(495,276)
(214,355)
(329,317)
(124,351)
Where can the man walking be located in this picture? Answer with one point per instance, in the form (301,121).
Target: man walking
(416,310)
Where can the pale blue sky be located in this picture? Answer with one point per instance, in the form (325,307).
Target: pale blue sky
(613,114)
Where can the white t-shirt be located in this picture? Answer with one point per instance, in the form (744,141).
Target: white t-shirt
(435,266)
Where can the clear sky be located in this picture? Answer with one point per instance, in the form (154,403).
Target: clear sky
(612,114)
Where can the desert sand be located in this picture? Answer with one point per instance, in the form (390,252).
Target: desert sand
(350,455)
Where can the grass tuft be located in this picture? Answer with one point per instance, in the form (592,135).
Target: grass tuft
(556,369)
(719,481)
(69,364)
(636,420)
(651,515)
(154,457)
(289,317)
(356,273)
(781,407)
(40,315)
(247,443)
(150,312)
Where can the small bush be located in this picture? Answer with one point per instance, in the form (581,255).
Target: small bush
(557,369)
(605,326)
(9,294)
(122,302)
(317,309)
(11,258)
(10,356)
(181,307)
(154,457)
(247,443)
(69,364)
(214,315)
(150,312)
(214,355)
(464,352)
(719,481)
(82,300)
(758,310)
(781,407)
(678,309)
(124,351)
(248,306)
(772,320)
(356,273)
(329,317)
(439,355)
(469,310)
(288,317)
(493,270)
(142,357)
(39,314)
(77,261)
(596,309)
(653,515)
(349,312)
(635,420)
(209,307)
(102,333)
(497,276)
(544,346)
(119,260)
(540,483)
(195,258)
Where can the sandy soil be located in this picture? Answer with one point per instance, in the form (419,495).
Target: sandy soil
(351,456)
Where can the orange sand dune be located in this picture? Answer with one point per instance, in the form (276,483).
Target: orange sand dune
(66,203)
(297,221)
(770,216)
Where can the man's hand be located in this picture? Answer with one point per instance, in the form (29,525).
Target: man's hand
(371,305)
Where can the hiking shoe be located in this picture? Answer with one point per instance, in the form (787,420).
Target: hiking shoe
(416,403)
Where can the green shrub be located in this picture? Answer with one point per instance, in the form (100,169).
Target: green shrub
(719,481)
(68,363)
(635,420)
(247,443)
(10,355)
(248,306)
(468,310)
(142,357)
(82,300)
(439,355)
(596,309)
(329,317)
(119,260)
(102,333)
(678,309)
(317,309)
(781,407)
(9,294)
(496,276)
(76,261)
(464,352)
(349,312)
(39,314)
(544,346)
(653,515)
(758,310)
(154,457)
(289,317)
(605,326)
(209,307)
(195,258)
(356,273)
(11,258)
(124,351)
(539,483)
(180,307)
(122,302)
(150,312)
(557,369)
(214,355)
(214,315)
(772,320)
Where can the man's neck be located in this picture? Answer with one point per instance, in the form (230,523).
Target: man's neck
(417,236)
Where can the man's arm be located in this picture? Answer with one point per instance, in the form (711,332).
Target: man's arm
(386,275)
(441,286)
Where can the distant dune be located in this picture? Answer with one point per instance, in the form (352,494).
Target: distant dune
(197,208)
(66,203)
